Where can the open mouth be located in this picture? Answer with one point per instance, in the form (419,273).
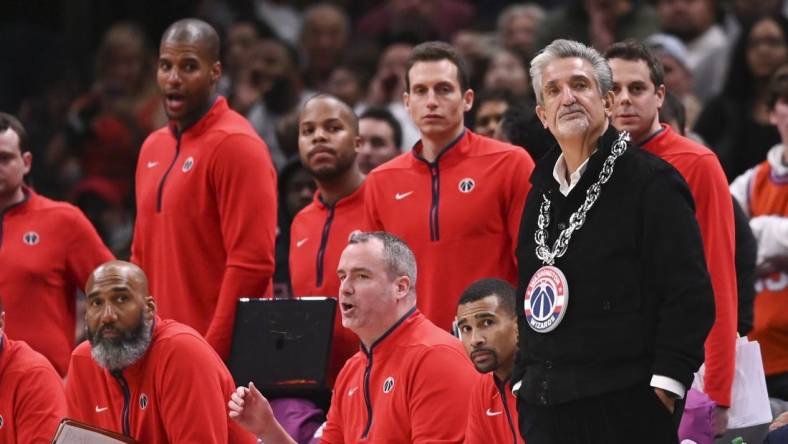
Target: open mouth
(346,307)
(175,101)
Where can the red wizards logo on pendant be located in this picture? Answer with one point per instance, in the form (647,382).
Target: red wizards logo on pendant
(546,299)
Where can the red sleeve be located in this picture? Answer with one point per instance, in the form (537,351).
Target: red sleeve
(371,216)
(86,250)
(244,183)
(192,391)
(474,432)
(442,382)
(40,405)
(714,211)
(332,429)
(520,176)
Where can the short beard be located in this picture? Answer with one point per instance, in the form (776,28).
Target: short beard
(330,173)
(120,353)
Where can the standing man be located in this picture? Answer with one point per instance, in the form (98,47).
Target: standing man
(410,381)
(639,93)
(487,323)
(327,143)
(47,251)
(32,401)
(614,299)
(455,194)
(206,194)
(152,379)
(381,138)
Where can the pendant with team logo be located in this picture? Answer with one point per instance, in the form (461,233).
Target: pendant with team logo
(546,299)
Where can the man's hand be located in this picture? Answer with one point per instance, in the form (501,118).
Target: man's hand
(249,408)
(720,421)
(666,399)
(781,420)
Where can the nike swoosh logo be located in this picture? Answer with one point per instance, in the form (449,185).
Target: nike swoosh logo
(399,196)
(152,164)
(101,409)
(491,413)
(352,391)
(301,242)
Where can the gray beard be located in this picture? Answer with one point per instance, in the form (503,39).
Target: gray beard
(123,352)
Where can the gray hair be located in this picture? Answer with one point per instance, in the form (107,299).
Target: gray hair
(561,49)
(400,260)
(527,9)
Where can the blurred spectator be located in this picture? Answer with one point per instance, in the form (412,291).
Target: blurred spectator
(296,190)
(735,124)
(678,77)
(694,22)
(475,47)
(507,71)
(388,85)
(517,25)
(740,12)
(762,192)
(241,37)
(598,22)
(521,126)
(268,88)
(381,138)
(488,109)
(348,84)
(324,37)
(419,19)
(107,125)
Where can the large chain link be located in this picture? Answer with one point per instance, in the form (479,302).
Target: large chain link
(578,218)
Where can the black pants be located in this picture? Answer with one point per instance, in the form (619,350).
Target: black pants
(633,415)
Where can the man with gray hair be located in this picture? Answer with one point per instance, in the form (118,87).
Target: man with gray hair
(153,380)
(410,382)
(615,299)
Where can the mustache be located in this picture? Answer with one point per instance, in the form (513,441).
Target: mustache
(481,350)
(571,109)
(321,149)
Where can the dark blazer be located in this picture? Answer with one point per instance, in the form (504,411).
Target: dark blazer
(640,298)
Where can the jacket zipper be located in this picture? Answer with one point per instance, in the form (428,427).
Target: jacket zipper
(323,243)
(502,392)
(435,173)
(367,397)
(126,401)
(167,173)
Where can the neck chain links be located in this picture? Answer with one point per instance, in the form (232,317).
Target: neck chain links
(578,218)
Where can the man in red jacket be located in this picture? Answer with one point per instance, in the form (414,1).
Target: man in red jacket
(409,382)
(487,325)
(47,251)
(639,92)
(327,143)
(31,400)
(152,379)
(206,194)
(456,194)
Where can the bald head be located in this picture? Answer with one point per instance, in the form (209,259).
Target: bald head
(118,271)
(197,32)
(327,100)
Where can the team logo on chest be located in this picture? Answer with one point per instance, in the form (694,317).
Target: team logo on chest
(188,164)
(388,384)
(466,185)
(143,401)
(546,299)
(30,238)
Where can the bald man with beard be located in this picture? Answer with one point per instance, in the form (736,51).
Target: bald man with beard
(206,194)
(154,380)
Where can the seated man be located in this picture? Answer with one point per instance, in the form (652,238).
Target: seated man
(410,381)
(154,380)
(487,323)
(31,399)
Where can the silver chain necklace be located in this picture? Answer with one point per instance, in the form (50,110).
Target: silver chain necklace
(578,218)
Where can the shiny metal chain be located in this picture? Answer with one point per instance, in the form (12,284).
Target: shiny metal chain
(578,218)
